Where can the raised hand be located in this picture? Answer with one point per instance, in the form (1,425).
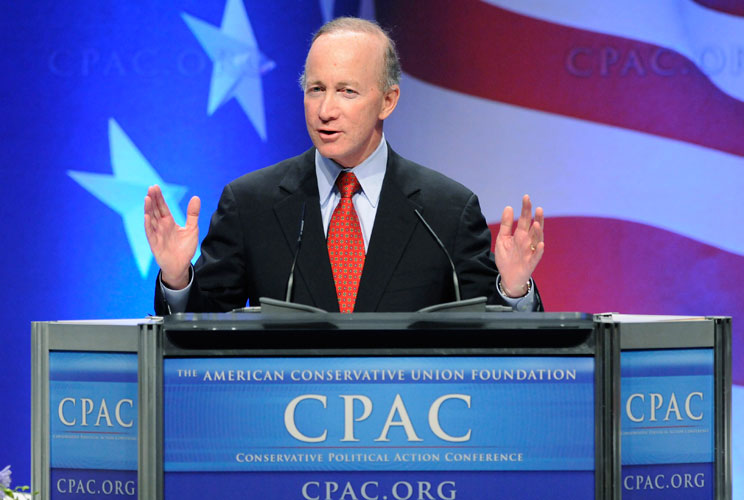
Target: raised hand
(172,245)
(518,254)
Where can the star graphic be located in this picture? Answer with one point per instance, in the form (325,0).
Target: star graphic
(238,64)
(125,190)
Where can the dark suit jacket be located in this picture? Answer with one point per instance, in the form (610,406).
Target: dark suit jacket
(248,250)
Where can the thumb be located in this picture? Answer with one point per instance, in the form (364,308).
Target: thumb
(192,212)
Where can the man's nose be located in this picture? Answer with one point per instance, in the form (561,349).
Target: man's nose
(328,107)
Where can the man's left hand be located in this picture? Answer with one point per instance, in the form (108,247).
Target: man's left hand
(517,254)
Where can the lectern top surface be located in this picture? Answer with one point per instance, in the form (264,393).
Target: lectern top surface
(114,322)
(651,318)
(379,334)
(388,321)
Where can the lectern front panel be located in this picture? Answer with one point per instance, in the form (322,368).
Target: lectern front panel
(379,427)
(668,424)
(93,425)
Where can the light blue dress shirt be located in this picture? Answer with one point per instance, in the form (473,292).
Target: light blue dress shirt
(369,173)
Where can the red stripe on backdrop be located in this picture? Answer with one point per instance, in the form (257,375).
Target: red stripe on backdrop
(735,7)
(482,50)
(653,272)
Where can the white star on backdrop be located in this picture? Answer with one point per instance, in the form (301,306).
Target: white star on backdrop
(238,64)
(125,190)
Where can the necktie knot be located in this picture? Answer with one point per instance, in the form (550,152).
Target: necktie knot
(347,184)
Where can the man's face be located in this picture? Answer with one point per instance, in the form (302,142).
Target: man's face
(344,104)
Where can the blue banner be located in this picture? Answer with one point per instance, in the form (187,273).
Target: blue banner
(93,423)
(522,485)
(668,425)
(379,414)
(667,403)
(677,481)
(83,484)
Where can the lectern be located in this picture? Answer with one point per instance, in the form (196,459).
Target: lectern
(383,406)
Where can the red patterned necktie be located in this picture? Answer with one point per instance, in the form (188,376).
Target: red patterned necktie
(346,244)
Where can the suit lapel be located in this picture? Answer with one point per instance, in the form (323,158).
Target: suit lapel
(394,225)
(301,186)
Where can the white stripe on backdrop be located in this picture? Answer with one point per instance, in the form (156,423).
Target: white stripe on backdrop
(570,166)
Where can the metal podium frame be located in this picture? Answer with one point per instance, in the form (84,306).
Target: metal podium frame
(602,337)
(632,333)
(116,336)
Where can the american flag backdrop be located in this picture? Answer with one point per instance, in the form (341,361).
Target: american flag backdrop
(624,120)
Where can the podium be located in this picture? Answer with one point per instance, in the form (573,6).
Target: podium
(383,406)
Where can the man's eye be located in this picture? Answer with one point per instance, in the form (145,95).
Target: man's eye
(315,89)
(349,92)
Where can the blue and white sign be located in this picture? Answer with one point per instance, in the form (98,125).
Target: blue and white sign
(93,423)
(314,427)
(668,426)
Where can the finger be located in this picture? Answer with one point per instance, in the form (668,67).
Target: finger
(507,220)
(534,258)
(151,223)
(161,206)
(535,233)
(151,201)
(155,195)
(151,229)
(148,226)
(192,212)
(537,255)
(526,216)
(148,211)
(540,218)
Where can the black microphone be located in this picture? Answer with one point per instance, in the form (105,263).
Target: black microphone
(290,281)
(276,306)
(455,281)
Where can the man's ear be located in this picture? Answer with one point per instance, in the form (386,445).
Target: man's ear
(389,101)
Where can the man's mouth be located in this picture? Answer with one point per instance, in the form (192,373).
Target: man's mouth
(328,133)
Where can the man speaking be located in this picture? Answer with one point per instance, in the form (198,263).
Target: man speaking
(363,245)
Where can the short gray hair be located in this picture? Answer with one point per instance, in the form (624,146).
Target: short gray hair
(391,61)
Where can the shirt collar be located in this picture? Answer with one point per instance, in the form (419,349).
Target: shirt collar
(370,174)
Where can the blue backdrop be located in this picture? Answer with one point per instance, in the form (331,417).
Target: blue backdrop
(100,99)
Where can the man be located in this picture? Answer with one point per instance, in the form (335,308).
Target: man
(364,247)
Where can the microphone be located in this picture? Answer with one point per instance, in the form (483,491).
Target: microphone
(290,281)
(276,306)
(475,304)
(455,281)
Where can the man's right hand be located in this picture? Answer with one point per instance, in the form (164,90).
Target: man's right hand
(172,245)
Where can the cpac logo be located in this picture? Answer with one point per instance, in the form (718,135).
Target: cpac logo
(70,408)
(397,416)
(639,406)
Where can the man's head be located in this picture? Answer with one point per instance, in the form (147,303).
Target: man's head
(351,85)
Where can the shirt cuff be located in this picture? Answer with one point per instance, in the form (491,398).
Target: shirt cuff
(176,299)
(521,304)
